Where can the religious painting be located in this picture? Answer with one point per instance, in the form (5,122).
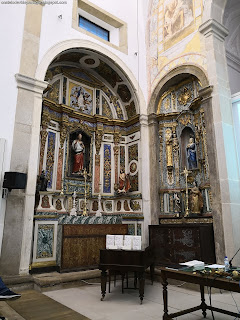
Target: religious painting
(178,14)
(79,153)
(80,98)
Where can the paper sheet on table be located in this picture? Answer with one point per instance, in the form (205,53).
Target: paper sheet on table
(109,240)
(118,241)
(215,266)
(192,263)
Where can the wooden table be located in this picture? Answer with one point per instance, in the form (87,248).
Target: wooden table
(122,261)
(203,281)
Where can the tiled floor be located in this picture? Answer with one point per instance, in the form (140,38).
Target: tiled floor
(118,306)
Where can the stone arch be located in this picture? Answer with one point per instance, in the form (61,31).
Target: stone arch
(184,69)
(214,9)
(79,43)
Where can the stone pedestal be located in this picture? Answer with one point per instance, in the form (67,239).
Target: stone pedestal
(45,203)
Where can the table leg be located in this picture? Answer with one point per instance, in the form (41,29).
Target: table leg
(109,281)
(165,296)
(103,283)
(203,304)
(123,275)
(135,280)
(141,280)
(152,272)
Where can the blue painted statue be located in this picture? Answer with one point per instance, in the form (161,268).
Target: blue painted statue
(191,154)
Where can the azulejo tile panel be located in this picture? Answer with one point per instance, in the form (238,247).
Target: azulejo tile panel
(45,241)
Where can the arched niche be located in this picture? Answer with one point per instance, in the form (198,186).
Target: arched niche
(176,112)
(72,152)
(175,75)
(188,149)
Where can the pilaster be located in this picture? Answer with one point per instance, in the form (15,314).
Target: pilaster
(145,164)
(223,147)
(154,167)
(17,237)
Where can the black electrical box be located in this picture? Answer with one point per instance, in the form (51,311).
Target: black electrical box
(15,180)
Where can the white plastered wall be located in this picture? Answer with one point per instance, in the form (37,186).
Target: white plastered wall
(11,34)
(11,42)
(124,9)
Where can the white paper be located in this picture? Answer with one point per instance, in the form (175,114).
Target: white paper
(109,240)
(112,247)
(128,241)
(118,241)
(216,266)
(137,243)
(192,263)
(126,248)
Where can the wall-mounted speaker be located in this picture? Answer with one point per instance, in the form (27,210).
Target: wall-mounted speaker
(14,180)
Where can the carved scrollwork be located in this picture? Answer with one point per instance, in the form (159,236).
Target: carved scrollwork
(169,155)
(185,96)
(98,140)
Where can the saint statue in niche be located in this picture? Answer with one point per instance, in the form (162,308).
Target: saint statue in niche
(79,149)
(124,182)
(191,154)
(196,200)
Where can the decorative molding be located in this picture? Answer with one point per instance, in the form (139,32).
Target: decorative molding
(30,84)
(205,93)
(143,119)
(152,119)
(213,28)
(233,61)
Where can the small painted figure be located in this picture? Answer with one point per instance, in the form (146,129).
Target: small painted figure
(79,149)
(191,154)
(196,200)
(124,182)
(177,203)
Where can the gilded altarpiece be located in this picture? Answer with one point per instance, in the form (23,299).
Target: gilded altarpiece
(182,144)
(85,125)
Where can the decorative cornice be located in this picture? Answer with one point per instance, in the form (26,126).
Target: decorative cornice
(205,93)
(61,108)
(152,119)
(213,28)
(233,61)
(143,120)
(30,84)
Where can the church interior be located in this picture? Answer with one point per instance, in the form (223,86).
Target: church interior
(119,156)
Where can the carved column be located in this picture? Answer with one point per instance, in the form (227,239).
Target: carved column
(63,135)
(169,155)
(98,142)
(116,155)
(161,153)
(43,134)
(176,155)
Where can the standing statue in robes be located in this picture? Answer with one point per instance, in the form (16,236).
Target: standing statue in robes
(124,182)
(191,154)
(196,200)
(79,149)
